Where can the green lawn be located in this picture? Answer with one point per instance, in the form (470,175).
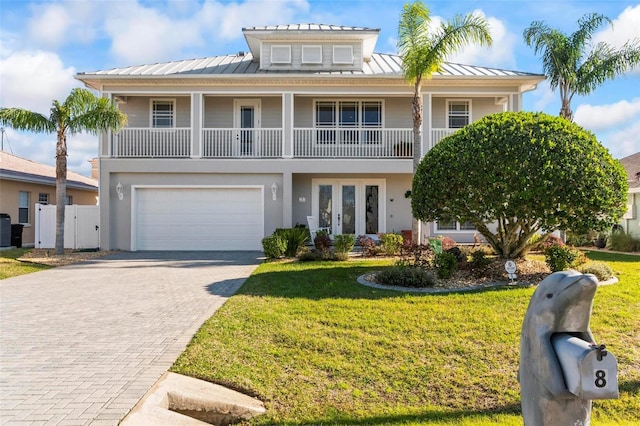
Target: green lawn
(10,267)
(318,348)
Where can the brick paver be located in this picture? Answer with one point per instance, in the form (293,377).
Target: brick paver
(81,344)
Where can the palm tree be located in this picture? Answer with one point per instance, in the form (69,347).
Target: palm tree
(572,65)
(423,52)
(82,111)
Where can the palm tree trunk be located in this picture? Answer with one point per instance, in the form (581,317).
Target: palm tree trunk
(565,110)
(61,189)
(416,110)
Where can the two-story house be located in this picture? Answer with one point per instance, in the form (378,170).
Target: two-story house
(220,151)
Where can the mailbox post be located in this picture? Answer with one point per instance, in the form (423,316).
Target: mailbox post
(561,367)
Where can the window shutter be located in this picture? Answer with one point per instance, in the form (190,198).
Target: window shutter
(343,54)
(311,54)
(281,54)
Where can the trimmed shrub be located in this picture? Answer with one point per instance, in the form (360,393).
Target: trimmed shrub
(274,246)
(295,238)
(406,277)
(621,241)
(479,262)
(391,244)
(446,264)
(415,255)
(344,243)
(369,247)
(599,269)
(560,258)
(322,241)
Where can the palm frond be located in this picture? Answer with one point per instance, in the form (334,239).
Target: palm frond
(22,119)
(605,63)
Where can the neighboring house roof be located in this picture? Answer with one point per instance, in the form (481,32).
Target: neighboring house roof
(632,166)
(20,169)
(307,27)
(381,64)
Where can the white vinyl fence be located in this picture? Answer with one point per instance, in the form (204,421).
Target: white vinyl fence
(81,226)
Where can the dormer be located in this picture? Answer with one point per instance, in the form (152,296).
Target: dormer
(311,47)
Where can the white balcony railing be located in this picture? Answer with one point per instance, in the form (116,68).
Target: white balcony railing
(241,143)
(438,134)
(151,143)
(334,142)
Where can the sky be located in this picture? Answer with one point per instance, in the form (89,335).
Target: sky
(44,44)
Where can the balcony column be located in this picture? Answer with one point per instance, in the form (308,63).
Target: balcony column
(287,125)
(427,143)
(197,106)
(287,200)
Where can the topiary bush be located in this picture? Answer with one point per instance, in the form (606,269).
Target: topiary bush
(446,264)
(600,269)
(560,258)
(391,244)
(406,277)
(344,243)
(274,246)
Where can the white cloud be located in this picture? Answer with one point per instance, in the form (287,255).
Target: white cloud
(624,142)
(607,117)
(142,35)
(55,24)
(499,55)
(625,27)
(31,80)
(224,20)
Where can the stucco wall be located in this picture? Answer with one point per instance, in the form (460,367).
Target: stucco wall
(10,189)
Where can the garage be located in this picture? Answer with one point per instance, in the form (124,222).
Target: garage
(198,218)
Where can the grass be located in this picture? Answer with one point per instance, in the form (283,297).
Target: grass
(10,267)
(318,348)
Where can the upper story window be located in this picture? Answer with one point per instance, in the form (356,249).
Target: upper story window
(281,54)
(68,200)
(343,54)
(312,54)
(458,113)
(162,113)
(43,198)
(23,207)
(363,118)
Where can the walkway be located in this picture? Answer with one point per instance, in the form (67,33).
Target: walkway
(81,344)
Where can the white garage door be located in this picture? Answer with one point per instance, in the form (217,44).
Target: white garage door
(198,219)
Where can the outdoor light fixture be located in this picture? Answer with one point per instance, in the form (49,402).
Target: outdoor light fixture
(274,191)
(120,191)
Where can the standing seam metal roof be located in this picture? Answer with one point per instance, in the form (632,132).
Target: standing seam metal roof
(381,64)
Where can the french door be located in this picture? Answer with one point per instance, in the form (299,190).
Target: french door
(246,121)
(350,206)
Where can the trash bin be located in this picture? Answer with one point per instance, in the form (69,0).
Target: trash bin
(5,230)
(16,234)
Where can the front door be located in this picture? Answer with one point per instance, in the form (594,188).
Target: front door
(246,121)
(349,206)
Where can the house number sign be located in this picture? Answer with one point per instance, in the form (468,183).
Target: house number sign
(510,267)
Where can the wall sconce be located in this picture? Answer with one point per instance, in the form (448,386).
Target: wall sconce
(274,191)
(120,191)
(302,199)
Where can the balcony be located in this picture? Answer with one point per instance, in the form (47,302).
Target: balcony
(325,142)
(138,142)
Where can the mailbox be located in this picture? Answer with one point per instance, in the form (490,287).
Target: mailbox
(590,371)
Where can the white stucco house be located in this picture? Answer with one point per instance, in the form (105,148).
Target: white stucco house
(220,151)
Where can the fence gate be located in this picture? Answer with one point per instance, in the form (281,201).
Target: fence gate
(81,226)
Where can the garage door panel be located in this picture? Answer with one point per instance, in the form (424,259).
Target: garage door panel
(199,219)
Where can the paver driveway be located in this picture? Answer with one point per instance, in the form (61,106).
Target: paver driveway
(82,344)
